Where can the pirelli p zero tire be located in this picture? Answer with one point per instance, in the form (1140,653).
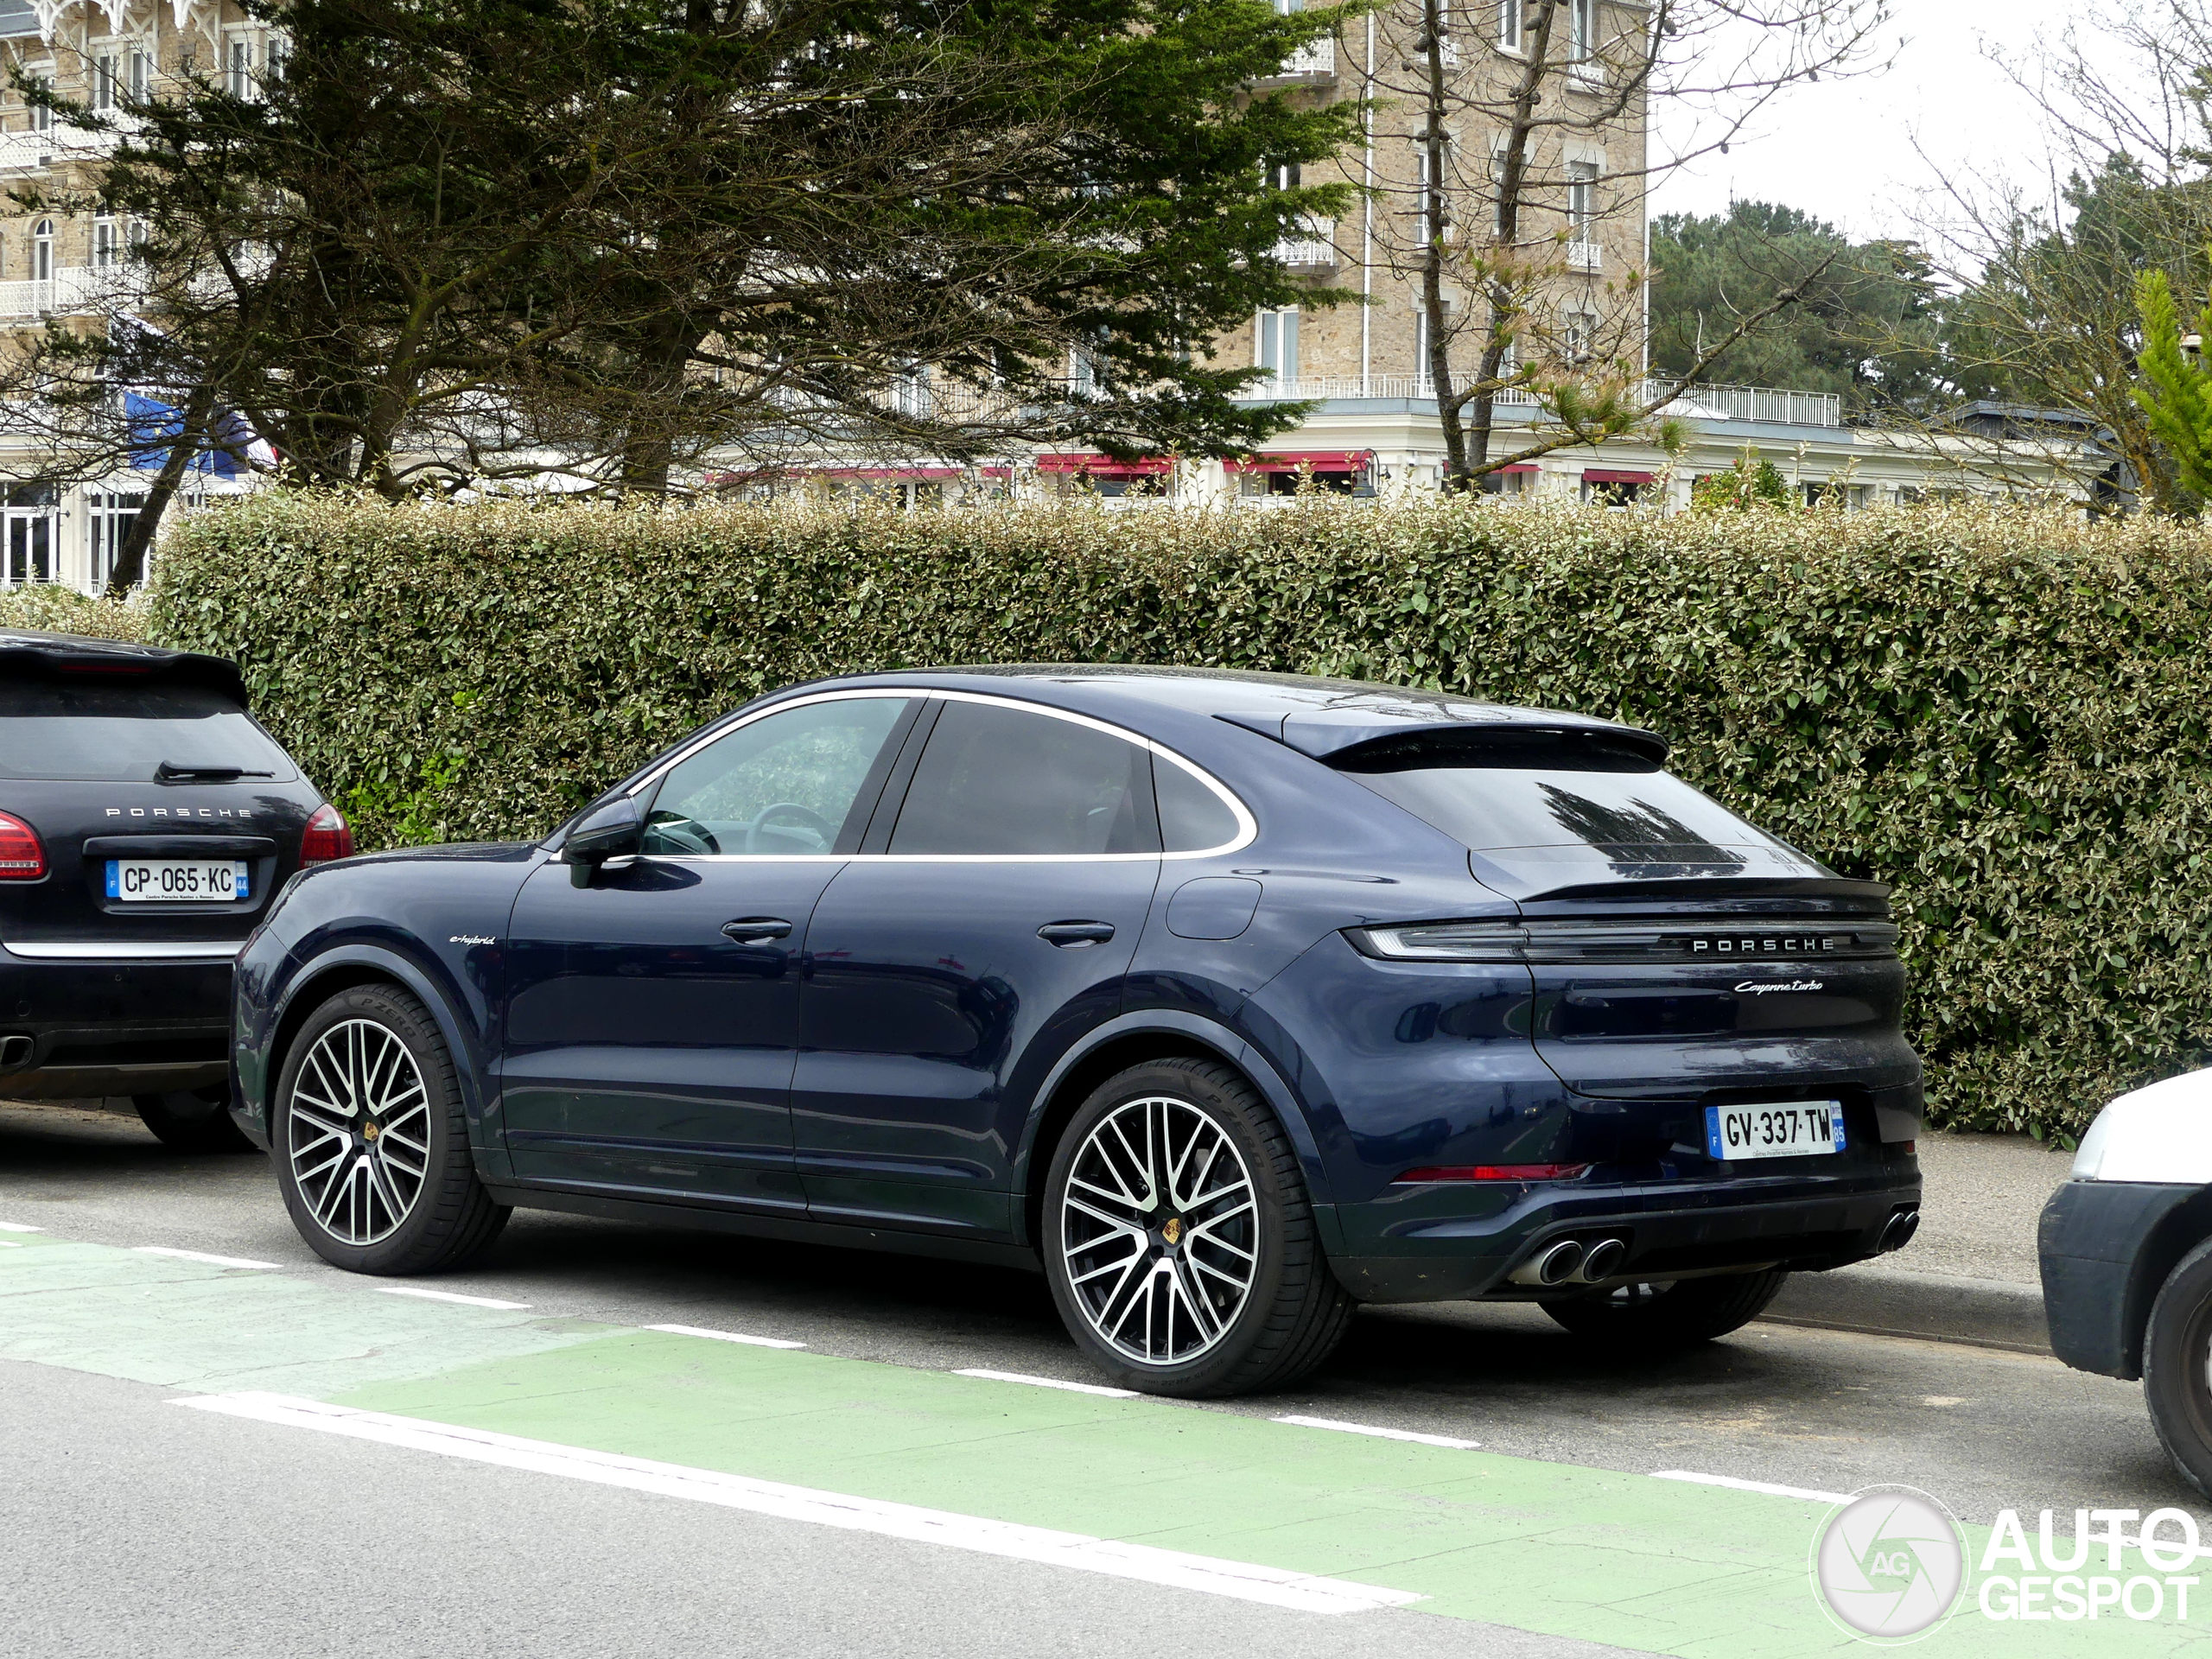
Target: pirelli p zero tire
(194,1120)
(370,1143)
(1179,1239)
(1662,1317)
(2178,1367)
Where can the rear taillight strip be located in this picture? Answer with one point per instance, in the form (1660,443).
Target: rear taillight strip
(1658,943)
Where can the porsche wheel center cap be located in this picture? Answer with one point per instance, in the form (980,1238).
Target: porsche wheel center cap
(1171,1231)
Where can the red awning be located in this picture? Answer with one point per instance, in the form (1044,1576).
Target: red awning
(1105,466)
(1605,475)
(1321,460)
(887,473)
(1519,467)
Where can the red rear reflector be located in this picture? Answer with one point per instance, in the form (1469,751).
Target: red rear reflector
(21,856)
(327,838)
(1494,1173)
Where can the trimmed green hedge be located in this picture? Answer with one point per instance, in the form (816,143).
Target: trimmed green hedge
(2003,715)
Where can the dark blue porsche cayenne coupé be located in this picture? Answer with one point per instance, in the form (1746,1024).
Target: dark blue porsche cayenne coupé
(1233,999)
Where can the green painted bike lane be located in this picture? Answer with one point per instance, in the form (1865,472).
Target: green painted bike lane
(1557,1549)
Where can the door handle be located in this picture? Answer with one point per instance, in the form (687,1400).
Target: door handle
(1073,935)
(756,930)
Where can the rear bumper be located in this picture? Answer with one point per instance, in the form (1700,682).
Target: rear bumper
(1675,1229)
(112,1026)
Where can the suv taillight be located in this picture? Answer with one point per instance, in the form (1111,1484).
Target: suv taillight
(23,857)
(326,838)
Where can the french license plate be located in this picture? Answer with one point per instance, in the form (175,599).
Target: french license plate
(1781,1129)
(178,880)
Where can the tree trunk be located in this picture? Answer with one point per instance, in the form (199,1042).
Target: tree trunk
(1432,262)
(130,558)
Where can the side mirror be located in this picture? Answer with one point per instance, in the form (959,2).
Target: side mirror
(612,831)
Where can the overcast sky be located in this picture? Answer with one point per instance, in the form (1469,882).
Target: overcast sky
(1845,150)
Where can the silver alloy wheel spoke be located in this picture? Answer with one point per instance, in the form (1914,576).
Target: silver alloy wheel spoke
(1142,1284)
(354,1100)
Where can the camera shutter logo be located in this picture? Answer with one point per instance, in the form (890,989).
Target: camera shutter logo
(1890,1565)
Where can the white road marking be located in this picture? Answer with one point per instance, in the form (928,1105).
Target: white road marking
(1766,1486)
(18,1227)
(1380,1433)
(1051,1382)
(448,1296)
(211,1261)
(1242,1580)
(725,1336)
(7,1244)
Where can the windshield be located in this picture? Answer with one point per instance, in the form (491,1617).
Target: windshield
(102,731)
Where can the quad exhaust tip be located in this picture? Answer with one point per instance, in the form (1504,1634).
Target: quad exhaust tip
(1603,1259)
(1572,1262)
(1899,1231)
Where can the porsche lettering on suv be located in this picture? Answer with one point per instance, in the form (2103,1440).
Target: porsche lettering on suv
(1228,1001)
(146,822)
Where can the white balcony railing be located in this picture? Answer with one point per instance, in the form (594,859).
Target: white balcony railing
(1314,61)
(1764,405)
(1315,248)
(71,290)
(1584,255)
(27,151)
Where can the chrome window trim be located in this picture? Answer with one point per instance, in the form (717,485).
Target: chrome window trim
(1248,828)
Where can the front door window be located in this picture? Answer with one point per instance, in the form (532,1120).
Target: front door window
(786,784)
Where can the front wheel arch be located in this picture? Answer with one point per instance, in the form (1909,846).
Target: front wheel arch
(343,970)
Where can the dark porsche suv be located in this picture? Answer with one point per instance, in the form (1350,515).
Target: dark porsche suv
(1229,1000)
(146,822)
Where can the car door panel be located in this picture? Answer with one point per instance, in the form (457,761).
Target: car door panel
(932,1011)
(988,924)
(643,1048)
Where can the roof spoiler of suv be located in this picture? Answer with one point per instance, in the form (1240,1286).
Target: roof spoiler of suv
(1718,889)
(1470,734)
(27,650)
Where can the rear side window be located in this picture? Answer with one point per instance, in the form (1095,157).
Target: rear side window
(101,730)
(1623,810)
(1192,818)
(999,781)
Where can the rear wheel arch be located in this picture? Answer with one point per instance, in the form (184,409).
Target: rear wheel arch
(1133,1041)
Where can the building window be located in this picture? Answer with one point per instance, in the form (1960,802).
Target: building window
(237,67)
(141,75)
(1581,199)
(28,520)
(1578,335)
(108,516)
(1276,341)
(104,82)
(1508,25)
(1428,201)
(107,246)
(1582,37)
(42,252)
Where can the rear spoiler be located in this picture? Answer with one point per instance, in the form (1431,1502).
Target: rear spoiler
(1719,889)
(27,652)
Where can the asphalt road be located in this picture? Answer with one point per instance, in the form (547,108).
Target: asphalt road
(137,1528)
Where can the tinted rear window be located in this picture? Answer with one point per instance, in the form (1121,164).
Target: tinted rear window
(999,781)
(1622,815)
(112,731)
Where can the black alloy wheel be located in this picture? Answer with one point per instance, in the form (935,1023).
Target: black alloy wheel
(371,1141)
(1178,1240)
(1663,1316)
